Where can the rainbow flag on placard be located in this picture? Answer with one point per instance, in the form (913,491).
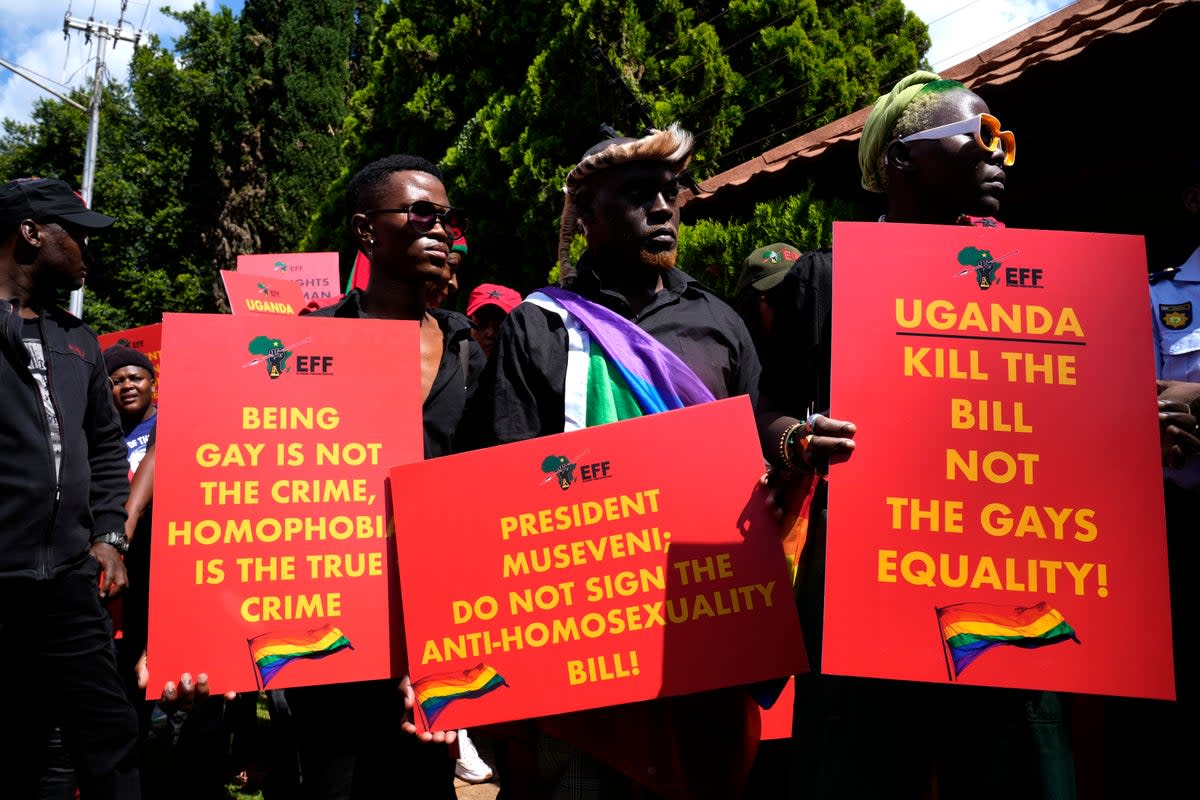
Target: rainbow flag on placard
(435,692)
(272,652)
(971,629)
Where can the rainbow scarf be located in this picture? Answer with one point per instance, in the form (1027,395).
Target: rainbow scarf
(272,653)
(435,692)
(615,370)
(971,629)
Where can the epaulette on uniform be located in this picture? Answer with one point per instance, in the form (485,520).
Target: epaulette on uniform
(1164,274)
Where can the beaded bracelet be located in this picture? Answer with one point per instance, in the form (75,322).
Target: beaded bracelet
(784,457)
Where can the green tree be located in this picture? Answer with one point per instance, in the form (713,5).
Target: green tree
(242,138)
(713,250)
(508,96)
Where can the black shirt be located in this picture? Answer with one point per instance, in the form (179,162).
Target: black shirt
(521,392)
(457,376)
(795,375)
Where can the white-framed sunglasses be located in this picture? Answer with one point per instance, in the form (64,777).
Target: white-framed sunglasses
(984,127)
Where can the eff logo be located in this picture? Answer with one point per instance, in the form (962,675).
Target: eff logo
(563,469)
(985,266)
(277,358)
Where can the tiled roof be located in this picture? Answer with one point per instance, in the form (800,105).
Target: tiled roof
(1055,38)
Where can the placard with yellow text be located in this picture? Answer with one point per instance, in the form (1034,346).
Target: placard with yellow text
(315,273)
(272,563)
(603,566)
(261,294)
(1001,522)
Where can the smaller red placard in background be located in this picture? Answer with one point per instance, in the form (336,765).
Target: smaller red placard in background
(261,294)
(777,720)
(146,340)
(315,273)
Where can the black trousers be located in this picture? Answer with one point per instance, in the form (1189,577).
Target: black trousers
(58,665)
(352,748)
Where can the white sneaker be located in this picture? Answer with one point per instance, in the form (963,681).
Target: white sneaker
(470,767)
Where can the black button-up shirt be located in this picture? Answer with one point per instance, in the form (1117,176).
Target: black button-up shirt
(457,376)
(521,392)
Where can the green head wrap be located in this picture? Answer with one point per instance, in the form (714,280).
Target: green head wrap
(882,120)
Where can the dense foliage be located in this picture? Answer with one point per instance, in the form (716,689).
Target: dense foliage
(241,140)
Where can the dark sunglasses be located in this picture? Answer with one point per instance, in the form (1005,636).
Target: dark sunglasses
(423,215)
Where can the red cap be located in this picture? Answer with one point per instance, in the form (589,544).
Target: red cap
(493,294)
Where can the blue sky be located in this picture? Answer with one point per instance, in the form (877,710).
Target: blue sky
(31,36)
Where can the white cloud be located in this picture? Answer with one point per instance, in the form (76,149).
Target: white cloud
(31,37)
(961,28)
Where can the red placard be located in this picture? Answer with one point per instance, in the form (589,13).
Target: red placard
(146,340)
(261,294)
(1007,486)
(777,720)
(603,566)
(315,273)
(273,564)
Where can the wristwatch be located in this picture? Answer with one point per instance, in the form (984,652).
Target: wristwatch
(114,538)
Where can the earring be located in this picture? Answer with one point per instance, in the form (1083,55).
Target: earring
(371,248)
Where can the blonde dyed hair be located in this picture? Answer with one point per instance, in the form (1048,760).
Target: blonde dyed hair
(672,146)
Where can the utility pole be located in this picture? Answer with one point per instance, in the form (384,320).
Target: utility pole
(103,32)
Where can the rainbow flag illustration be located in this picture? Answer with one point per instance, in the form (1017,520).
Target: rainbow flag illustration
(971,629)
(435,692)
(271,652)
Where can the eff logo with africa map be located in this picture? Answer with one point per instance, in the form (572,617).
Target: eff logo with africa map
(276,358)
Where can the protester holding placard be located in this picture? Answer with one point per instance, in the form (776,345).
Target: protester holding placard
(939,157)
(634,306)
(62,491)
(349,735)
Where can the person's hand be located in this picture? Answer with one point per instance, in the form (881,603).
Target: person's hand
(771,481)
(410,700)
(184,696)
(187,694)
(113,577)
(829,441)
(1177,428)
(1185,392)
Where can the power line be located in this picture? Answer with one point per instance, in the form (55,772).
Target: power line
(995,38)
(931,23)
(749,74)
(686,32)
(726,50)
(60,84)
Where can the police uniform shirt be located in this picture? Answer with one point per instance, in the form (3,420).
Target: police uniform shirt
(1175,302)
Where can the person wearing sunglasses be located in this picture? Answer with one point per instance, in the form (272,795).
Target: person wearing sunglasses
(938,155)
(352,738)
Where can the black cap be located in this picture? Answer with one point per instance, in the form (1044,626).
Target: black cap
(41,199)
(118,356)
